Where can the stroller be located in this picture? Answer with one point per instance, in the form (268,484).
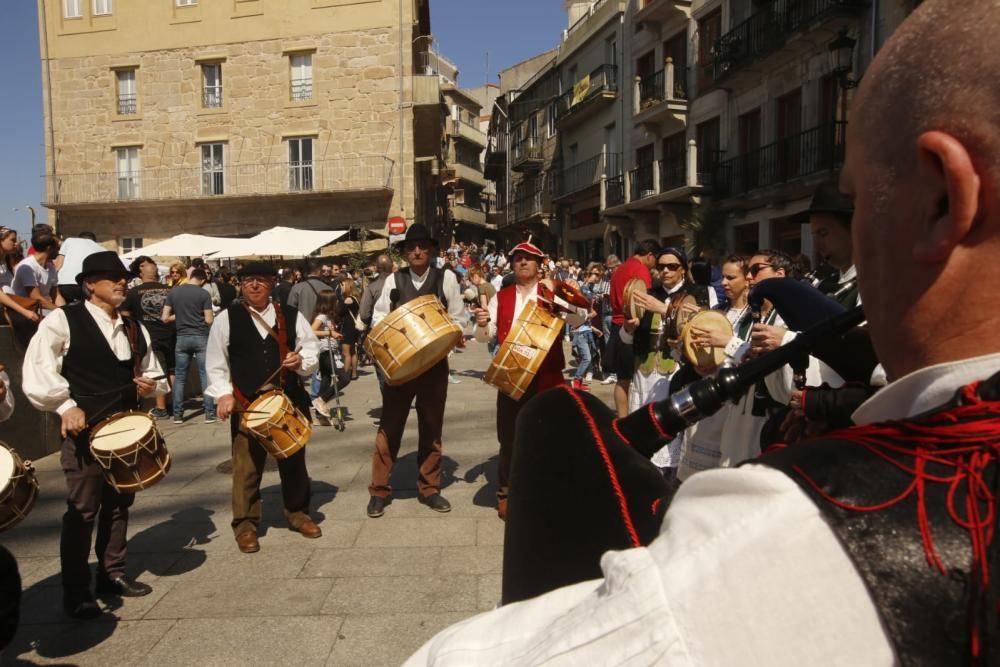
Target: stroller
(340,378)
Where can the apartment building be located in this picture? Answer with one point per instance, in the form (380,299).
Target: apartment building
(225,118)
(589,116)
(466,143)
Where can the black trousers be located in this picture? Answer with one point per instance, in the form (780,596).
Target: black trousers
(89,500)
(10,597)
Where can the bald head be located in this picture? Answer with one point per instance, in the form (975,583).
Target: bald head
(922,163)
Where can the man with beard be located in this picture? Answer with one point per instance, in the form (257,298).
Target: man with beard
(79,352)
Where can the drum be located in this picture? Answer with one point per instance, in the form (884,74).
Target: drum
(131,451)
(701,356)
(277,424)
(18,488)
(521,355)
(412,338)
(632,310)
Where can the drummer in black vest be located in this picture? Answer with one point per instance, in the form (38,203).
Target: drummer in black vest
(79,352)
(430,388)
(244,349)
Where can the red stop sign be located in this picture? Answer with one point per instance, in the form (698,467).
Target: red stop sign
(397,225)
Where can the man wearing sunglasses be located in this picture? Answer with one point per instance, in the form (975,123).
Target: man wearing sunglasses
(429,390)
(638,266)
(255,345)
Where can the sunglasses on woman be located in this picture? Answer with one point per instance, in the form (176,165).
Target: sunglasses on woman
(669,266)
(757,268)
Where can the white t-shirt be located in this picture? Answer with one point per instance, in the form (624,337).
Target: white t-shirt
(29,274)
(326,324)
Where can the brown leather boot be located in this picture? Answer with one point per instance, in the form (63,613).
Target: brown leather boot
(308,529)
(247,542)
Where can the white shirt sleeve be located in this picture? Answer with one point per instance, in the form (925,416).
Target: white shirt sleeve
(42,381)
(382,304)
(306,338)
(150,365)
(491,327)
(7,406)
(220,380)
(453,294)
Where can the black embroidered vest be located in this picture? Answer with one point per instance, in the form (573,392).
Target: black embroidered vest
(932,617)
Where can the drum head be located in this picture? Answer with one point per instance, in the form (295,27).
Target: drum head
(7,466)
(114,434)
(264,408)
(706,357)
(631,309)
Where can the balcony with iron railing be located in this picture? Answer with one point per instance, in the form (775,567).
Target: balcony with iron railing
(211,97)
(128,104)
(527,206)
(588,95)
(661,96)
(614,191)
(773,27)
(431,63)
(344,175)
(674,179)
(528,154)
(813,151)
(641,182)
(580,177)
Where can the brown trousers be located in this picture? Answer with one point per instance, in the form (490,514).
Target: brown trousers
(89,500)
(430,390)
(249,458)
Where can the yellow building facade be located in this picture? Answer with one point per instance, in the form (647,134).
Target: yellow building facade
(226,117)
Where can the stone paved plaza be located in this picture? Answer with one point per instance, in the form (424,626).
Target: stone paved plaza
(368,592)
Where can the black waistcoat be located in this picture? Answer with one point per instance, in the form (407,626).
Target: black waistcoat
(925,613)
(92,368)
(407,291)
(253,358)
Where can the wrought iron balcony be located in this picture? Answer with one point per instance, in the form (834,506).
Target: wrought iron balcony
(768,29)
(211,97)
(812,151)
(660,96)
(641,182)
(528,206)
(235,180)
(128,104)
(673,172)
(614,191)
(302,89)
(528,154)
(587,174)
(586,95)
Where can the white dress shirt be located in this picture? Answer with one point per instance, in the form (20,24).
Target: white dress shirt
(449,286)
(745,572)
(220,378)
(42,380)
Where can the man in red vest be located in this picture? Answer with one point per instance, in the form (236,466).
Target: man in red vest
(499,317)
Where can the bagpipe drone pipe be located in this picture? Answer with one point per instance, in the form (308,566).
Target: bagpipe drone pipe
(581,479)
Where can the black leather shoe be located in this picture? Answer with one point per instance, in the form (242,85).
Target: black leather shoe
(376,507)
(436,503)
(83,609)
(123,587)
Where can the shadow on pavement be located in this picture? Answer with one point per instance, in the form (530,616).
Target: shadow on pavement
(486,495)
(273,513)
(59,641)
(404,475)
(184,530)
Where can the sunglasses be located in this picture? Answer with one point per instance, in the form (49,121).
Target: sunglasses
(757,268)
(669,266)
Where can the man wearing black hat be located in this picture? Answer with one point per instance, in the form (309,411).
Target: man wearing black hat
(830,221)
(247,345)
(79,351)
(430,389)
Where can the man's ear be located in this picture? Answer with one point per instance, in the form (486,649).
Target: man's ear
(949,179)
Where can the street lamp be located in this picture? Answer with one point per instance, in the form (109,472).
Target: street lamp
(842,59)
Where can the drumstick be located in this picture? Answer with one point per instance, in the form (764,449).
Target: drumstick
(107,405)
(270,377)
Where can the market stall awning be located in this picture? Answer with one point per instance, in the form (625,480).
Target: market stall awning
(182,245)
(279,242)
(354,247)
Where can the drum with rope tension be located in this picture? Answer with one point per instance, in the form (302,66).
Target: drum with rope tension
(18,487)
(130,450)
(277,424)
(411,339)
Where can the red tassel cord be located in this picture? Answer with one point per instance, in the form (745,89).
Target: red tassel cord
(964,440)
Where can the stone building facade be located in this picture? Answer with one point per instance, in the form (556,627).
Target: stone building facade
(171,116)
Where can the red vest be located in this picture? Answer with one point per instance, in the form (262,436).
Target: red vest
(550,374)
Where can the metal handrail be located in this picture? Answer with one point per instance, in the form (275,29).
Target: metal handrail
(302,89)
(641,182)
(212,97)
(614,189)
(274,178)
(588,173)
(128,104)
(603,79)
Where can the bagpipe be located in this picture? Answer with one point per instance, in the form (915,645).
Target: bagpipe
(581,480)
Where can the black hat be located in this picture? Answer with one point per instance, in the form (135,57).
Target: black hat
(102,262)
(257,269)
(828,199)
(418,232)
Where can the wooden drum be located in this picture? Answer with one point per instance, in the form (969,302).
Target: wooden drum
(521,355)
(412,338)
(131,451)
(630,308)
(18,488)
(277,424)
(705,358)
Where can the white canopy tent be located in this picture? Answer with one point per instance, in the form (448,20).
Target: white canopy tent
(279,242)
(182,245)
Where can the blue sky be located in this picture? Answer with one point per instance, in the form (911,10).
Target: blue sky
(465,30)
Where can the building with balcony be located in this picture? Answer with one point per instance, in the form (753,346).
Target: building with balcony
(588,122)
(228,118)
(465,181)
(769,108)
